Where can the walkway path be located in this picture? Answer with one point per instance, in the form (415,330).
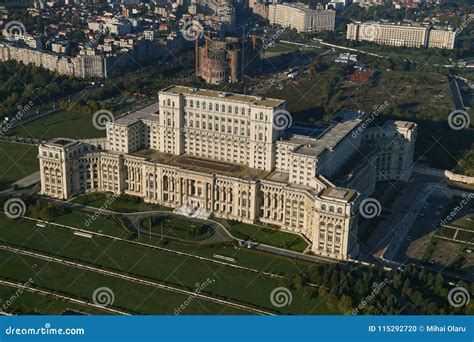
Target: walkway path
(220,230)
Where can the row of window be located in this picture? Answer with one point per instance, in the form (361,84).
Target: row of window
(331,209)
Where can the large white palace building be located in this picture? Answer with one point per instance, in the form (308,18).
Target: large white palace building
(226,155)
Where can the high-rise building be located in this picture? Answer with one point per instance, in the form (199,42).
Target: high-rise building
(301,17)
(402,35)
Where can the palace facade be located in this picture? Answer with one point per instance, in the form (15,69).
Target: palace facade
(228,155)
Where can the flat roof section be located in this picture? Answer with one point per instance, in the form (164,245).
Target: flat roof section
(339,193)
(210,166)
(153,155)
(150,113)
(307,129)
(248,99)
(62,142)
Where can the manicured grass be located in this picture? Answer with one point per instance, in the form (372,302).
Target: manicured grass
(61,124)
(177,228)
(245,257)
(128,296)
(109,225)
(29,303)
(178,270)
(121,204)
(268,236)
(17,161)
(282,47)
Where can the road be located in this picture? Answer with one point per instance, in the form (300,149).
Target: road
(221,230)
(457,93)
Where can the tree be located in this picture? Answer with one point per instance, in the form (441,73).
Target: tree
(308,292)
(297,281)
(332,302)
(345,304)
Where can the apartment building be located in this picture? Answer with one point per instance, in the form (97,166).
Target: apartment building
(301,17)
(402,35)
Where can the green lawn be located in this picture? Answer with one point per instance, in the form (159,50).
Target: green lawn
(268,236)
(29,303)
(178,270)
(128,296)
(109,225)
(121,204)
(61,124)
(245,257)
(17,161)
(282,47)
(177,227)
